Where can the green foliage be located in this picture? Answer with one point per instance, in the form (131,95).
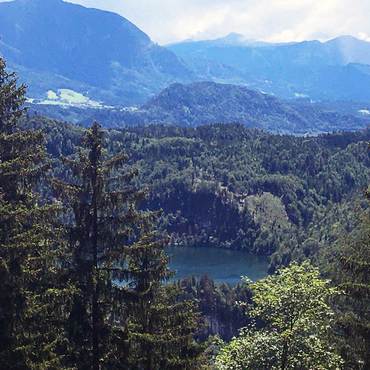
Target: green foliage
(292,307)
(350,269)
(161,332)
(159,325)
(30,330)
(121,316)
(221,315)
(218,185)
(102,212)
(89,292)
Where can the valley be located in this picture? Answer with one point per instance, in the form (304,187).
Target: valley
(111,62)
(195,205)
(227,186)
(205,103)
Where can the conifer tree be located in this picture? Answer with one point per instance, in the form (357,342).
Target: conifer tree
(160,323)
(122,316)
(352,274)
(102,206)
(29,299)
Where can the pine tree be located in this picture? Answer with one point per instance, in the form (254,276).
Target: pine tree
(29,300)
(160,322)
(122,316)
(101,217)
(352,272)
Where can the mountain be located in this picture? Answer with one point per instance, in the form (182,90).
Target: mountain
(232,39)
(57,45)
(70,54)
(208,102)
(335,70)
(350,49)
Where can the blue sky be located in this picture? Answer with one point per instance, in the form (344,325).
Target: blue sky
(270,20)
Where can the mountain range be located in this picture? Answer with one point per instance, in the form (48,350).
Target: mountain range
(338,69)
(202,103)
(102,58)
(58,45)
(81,63)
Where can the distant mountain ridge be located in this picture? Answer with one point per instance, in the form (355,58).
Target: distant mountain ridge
(202,103)
(53,45)
(63,50)
(335,70)
(342,49)
(208,102)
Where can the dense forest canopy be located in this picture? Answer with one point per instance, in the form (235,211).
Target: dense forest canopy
(233,187)
(85,215)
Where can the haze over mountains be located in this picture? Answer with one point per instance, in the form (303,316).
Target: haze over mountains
(202,103)
(57,45)
(88,58)
(334,70)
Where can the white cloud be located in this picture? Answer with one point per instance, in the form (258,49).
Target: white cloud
(363,36)
(272,20)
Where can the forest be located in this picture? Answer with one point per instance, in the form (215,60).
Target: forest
(85,215)
(238,188)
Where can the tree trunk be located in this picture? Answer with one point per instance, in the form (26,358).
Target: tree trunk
(95,297)
(284,357)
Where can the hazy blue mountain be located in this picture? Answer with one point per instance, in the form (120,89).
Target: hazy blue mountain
(350,49)
(232,39)
(53,44)
(70,54)
(334,70)
(208,102)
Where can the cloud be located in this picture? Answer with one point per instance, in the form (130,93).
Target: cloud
(271,20)
(363,36)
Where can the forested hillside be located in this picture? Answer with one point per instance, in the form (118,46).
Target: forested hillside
(232,187)
(55,45)
(209,103)
(85,281)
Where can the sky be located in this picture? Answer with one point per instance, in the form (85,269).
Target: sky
(167,21)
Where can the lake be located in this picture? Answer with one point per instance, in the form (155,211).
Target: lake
(222,265)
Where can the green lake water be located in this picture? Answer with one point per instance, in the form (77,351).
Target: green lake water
(222,265)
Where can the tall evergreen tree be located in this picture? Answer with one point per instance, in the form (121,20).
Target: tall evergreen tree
(352,274)
(29,306)
(98,222)
(160,322)
(122,316)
